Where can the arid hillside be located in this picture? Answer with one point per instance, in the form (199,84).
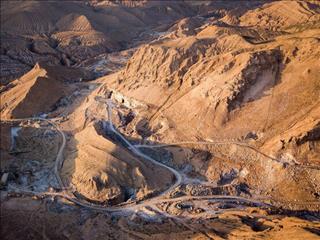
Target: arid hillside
(209,80)
(160,119)
(69,32)
(41,90)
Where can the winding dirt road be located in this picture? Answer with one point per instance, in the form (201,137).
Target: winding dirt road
(130,207)
(134,206)
(137,152)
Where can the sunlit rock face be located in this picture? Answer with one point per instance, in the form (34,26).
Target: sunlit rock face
(160,119)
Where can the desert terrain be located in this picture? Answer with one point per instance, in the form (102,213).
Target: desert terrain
(160,119)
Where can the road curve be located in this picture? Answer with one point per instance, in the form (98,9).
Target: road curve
(137,152)
(128,207)
(59,158)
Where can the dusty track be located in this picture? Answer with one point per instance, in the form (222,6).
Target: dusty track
(131,206)
(137,152)
(240,144)
(134,206)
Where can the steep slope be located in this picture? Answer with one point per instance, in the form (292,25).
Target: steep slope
(37,91)
(74,31)
(101,171)
(282,14)
(218,82)
(218,76)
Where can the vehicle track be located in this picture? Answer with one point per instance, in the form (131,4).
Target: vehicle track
(129,207)
(135,149)
(240,144)
(137,152)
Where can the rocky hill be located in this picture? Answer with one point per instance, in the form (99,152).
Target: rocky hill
(219,76)
(160,119)
(210,80)
(39,91)
(68,33)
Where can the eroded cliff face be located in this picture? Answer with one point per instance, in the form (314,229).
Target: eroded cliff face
(207,79)
(70,33)
(226,70)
